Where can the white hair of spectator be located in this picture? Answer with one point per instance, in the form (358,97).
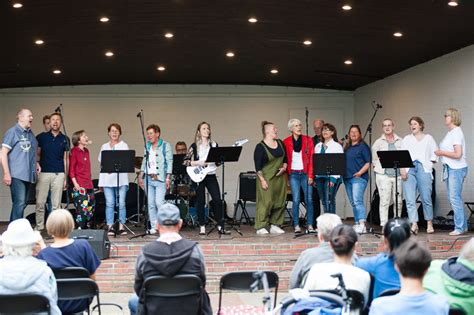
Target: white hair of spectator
(326,223)
(467,251)
(292,122)
(17,251)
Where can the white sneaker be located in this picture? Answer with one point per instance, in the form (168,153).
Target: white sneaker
(311,229)
(152,231)
(262,231)
(456,233)
(202,230)
(297,229)
(360,228)
(275,229)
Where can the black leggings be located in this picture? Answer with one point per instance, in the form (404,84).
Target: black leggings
(210,182)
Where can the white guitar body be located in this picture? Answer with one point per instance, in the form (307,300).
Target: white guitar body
(198,173)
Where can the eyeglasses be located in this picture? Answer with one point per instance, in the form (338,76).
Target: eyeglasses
(326,129)
(446,115)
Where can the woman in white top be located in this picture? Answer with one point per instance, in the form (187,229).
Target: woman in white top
(197,155)
(108,181)
(422,149)
(342,239)
(327,186)
(452,151)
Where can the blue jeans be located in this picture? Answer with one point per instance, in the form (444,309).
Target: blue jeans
(355,188)
(156,197)
(298,180)
(133,304)
(419,180)
(327,195)
(454,183)
(110,194)
(19,191)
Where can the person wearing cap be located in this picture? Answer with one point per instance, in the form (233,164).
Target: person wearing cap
(170,255)
(22,273)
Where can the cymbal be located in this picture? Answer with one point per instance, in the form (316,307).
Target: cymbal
(138,162)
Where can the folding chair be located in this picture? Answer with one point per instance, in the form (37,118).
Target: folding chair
(78,289)
(389,292)
(24,303)
(242,280)
(186,288)
(71,273)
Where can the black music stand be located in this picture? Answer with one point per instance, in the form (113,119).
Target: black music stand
(117,161)
(221,155)
(395,159)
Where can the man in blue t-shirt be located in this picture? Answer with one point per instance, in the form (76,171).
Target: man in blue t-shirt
(18,159)
(52,152)
(412,260)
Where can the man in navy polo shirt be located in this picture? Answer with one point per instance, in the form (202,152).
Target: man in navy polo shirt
(52,153)
(19,161)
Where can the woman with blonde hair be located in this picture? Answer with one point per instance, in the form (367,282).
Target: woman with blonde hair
(452,151)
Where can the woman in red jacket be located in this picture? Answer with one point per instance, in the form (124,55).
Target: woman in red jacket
(80,175)
(299,151)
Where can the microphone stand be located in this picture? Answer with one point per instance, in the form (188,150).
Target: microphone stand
(308,160)
(146,157)
(369,131)
(68,150)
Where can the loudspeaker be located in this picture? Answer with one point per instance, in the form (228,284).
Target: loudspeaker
(97,239)
(247,186)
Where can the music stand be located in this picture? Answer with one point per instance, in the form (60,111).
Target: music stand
(329,164)
(395,159)
(221,155)
(117,161)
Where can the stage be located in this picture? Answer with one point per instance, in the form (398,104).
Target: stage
(248,252)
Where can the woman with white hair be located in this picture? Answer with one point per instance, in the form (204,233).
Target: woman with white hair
(299,152)
(20,272)
(452,152)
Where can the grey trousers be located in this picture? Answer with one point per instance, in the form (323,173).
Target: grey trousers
(53,182)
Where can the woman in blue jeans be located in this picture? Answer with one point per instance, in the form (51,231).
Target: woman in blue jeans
(452,151)
(422,149)
(356,178)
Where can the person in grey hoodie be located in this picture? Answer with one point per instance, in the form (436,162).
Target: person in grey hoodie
(168,256)
(22,273)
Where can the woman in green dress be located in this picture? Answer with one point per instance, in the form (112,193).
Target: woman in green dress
(270,164)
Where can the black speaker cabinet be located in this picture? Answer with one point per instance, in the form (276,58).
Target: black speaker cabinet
(247,186)
(97,239)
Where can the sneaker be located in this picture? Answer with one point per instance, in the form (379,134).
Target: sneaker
(262,231)
(456,233)
(297,229)
(202,230)
(310,229)
(275,229)
(360,228)
(152,231)
(222,231)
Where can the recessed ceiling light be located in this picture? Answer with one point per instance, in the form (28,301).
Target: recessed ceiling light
(57,71)
(104,19)
(161,68)
(348,62)
(39,42)
(109,53)
(17,5)
(453,3)
(169,35)
(346,7)
(230,54)
(398,34)
(253,19)
(274,71)
(307,42)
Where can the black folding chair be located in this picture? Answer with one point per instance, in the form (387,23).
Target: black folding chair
(186,288)
(242,280)
(24,303)
(78,289)
(389,292)
(71,273)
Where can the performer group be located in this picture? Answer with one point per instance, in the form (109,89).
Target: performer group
(282,166)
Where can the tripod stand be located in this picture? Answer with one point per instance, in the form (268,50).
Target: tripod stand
(118,161)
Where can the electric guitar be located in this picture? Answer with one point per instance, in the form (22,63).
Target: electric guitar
(198,173)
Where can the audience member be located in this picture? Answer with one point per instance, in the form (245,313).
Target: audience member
(343,239)
(170,255)
(20,272)
(323,253)
(412,260)
(382,266)
(65,252)
(454,278)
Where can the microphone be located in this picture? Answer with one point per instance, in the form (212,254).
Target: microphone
(140,113)
(58,109)
(377,105)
